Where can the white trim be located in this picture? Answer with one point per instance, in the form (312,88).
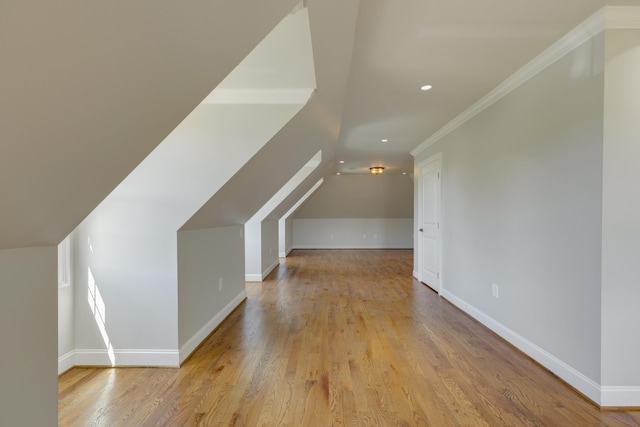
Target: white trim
(253,277)
(437,157)
(66,362)
(269,269)
(415,275)
(64,263)
(303,247)
(127,357)
(579,381)
(285,254)
(620,396)
(281,96)
(193,342)
(583,32)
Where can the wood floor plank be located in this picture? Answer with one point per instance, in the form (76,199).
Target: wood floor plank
(337,338)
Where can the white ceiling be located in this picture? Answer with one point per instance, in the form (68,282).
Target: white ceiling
(88,89)
(464,48)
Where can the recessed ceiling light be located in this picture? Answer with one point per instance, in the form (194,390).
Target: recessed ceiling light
(404,173)
(337,173)
(341,161)
(425,87)
(385,140)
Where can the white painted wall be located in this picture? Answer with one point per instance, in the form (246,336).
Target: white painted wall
(28,319)
(211,278)
(252,251)
(352,233)
(133,253)
(270,258)
(360,196)
(285,223)
(357,211)
(288,237)
(128,244)
(522,208)
(254,245)
(621,215)
(66,336)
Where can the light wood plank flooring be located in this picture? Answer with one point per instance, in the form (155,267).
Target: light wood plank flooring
(337,338)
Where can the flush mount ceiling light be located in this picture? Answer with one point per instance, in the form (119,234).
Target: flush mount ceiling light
(376,170)
(384,140)
(341,161)
(425,87)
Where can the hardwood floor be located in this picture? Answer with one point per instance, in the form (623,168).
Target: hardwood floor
(337,338)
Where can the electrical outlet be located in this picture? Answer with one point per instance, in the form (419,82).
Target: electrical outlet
(220,284)
(494,290)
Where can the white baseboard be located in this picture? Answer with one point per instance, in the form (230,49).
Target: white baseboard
(193,342)
(260,277)
(269,269)
(285,254)
(576,379)
(66,362)
(354,247)
(620,396)
(127,357)
(415,275)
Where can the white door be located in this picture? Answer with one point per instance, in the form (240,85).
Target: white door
(429,222)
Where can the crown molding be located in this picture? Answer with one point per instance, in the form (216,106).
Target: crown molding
(622,18)
(610,17)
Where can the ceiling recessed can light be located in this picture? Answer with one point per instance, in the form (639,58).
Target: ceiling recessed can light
(385,140)
(337,173)
(425,87)
(341,161)
(404,173)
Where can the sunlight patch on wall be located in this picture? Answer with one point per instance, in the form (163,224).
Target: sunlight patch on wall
(98,308)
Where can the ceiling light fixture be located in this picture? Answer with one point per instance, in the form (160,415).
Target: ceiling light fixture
(425,87)
(337,173)
(385,140)
(341,161)
(376,170)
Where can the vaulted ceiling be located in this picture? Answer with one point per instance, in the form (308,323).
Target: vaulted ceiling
(88,89)
(463,48)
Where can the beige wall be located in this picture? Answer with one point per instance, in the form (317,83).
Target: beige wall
(361,196)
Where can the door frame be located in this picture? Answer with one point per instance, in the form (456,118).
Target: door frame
(419,257)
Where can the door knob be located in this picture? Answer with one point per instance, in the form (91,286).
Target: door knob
(421,230)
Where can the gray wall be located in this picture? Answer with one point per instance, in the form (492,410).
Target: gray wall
(621,212)
(357,211)
(353,233)
(204,258)
(521,195)
(28,278)
(360,196)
